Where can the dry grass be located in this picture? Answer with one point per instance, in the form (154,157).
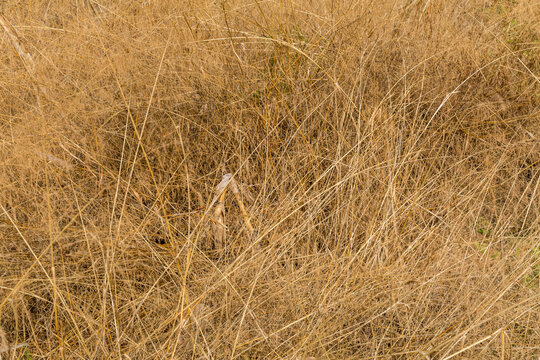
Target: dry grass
(386,166)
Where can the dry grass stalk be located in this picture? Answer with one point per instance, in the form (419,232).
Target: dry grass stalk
(55,161)
(219,213)
(238,196)
(24,56)
(219,209)
(4,345)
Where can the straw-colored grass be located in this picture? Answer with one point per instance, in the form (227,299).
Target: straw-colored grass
(385,192)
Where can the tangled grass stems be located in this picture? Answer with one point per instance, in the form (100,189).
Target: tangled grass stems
(383,201)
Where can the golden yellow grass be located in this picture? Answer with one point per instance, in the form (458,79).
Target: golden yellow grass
(385,157)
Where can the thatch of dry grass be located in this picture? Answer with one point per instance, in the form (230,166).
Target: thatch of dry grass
(385,158)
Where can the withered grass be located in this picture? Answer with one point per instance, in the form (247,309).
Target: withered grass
(385,158)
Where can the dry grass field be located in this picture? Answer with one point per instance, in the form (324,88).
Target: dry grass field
(385,193)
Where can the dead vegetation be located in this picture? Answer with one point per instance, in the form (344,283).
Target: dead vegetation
(384,200)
